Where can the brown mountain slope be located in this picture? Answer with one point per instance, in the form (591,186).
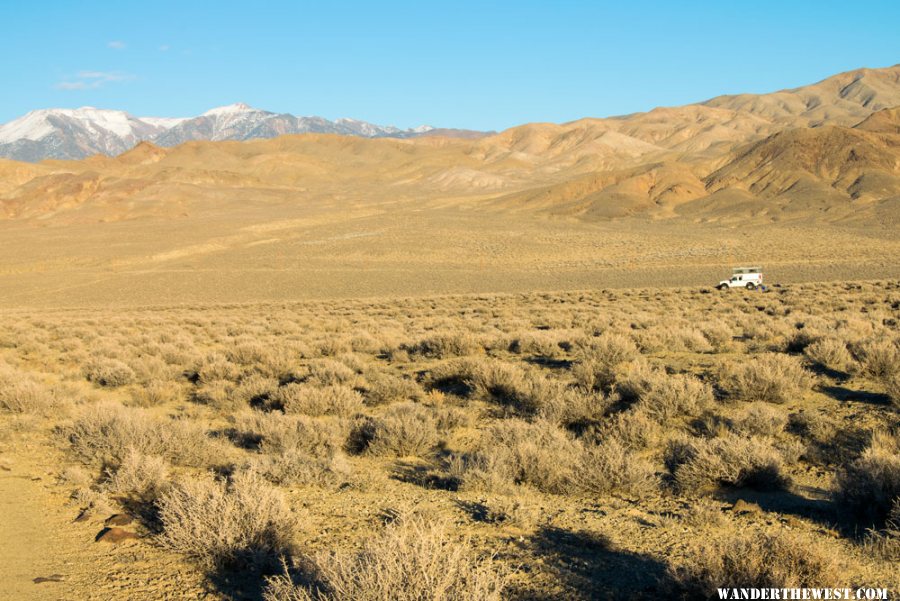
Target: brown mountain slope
(843,99)
(858,163)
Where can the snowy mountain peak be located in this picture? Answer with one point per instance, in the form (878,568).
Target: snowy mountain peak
(231,109)
(81,132)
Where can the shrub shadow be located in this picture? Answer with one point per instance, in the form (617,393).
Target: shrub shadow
(840,393)
(590,567)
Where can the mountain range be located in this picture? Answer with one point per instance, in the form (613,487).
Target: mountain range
(828,151)
(79,133)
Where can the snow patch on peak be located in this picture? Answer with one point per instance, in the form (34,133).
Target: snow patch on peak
(164,122)
(231,109)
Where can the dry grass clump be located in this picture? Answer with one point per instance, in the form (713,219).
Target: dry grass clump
(870,486)
(600,359)
(412,560)
(782,560)
(308,399)
(110,373)
(700,464)
(515,452)
(771,377)
(108,433)
(244,522)
(830,353)
(406,429)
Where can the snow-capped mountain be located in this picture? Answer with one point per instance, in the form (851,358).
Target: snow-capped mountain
(78,133)
(72,133)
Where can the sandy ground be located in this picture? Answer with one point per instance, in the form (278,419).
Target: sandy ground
(296,256)
(46,555)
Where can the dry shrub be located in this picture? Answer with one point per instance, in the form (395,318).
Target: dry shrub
(156,392)
(880,358)
(308,399)
(600,358)
(442,346)
(412,560)
(512,387)
(540,344)
(633,428)
(110,373)
(869,487)
(139,477)
(455,377)
(700,464)
(768,377)
(247,353)
(513,452)
(22,393)
(663,397)
(300,467)
(760,419)
(406,429)
(574,408)
(216,367)
(276,433)
(892,388)
(830,354)
(328,372)
(109,433)
(218,394)
(242,523)
(386,388)
(719,335)
(610,466)
(782,560)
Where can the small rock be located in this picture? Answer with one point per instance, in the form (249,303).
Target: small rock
(50,578)
(83,515)
(114,535)
(743,507)
(118,519)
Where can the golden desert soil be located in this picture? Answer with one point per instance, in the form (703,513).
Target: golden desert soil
(297,253)
(105,411)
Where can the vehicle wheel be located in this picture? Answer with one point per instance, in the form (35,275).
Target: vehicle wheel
(720,287)
(751,286)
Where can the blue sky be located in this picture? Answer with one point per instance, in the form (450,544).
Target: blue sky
(482,65)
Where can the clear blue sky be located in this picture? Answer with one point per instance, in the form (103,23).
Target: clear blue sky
(483,65)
